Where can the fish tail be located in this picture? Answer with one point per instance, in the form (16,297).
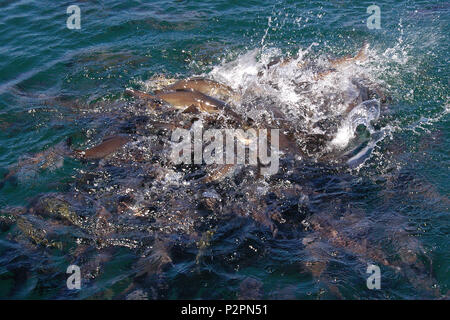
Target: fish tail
(68,150)
(8,177)
(67,146)
(140,94)
(69,142)
(78,154)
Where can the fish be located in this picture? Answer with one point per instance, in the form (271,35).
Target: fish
(218,173)
(183,99)
(107,147)
(336,64)
(208,87)
(51,157)
(360,56)
(55,155)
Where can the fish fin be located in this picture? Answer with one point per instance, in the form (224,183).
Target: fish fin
(74,153)
(191,109)
(275,61)
(361,55)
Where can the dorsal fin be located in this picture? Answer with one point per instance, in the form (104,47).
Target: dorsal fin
(361,55)
(191,109)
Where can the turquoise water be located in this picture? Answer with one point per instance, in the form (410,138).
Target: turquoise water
(55,83)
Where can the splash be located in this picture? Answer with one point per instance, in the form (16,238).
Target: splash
(363,114)
(310,92)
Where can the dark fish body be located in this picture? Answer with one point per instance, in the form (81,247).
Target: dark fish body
(41,160)
(184,99)
(107,147)
(205,86)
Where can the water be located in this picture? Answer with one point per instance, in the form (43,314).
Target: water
(376,191)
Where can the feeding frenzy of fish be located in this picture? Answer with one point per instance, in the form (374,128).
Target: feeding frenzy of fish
(139,199)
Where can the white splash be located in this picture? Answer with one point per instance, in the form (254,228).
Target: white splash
(301,89)
(363,114)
